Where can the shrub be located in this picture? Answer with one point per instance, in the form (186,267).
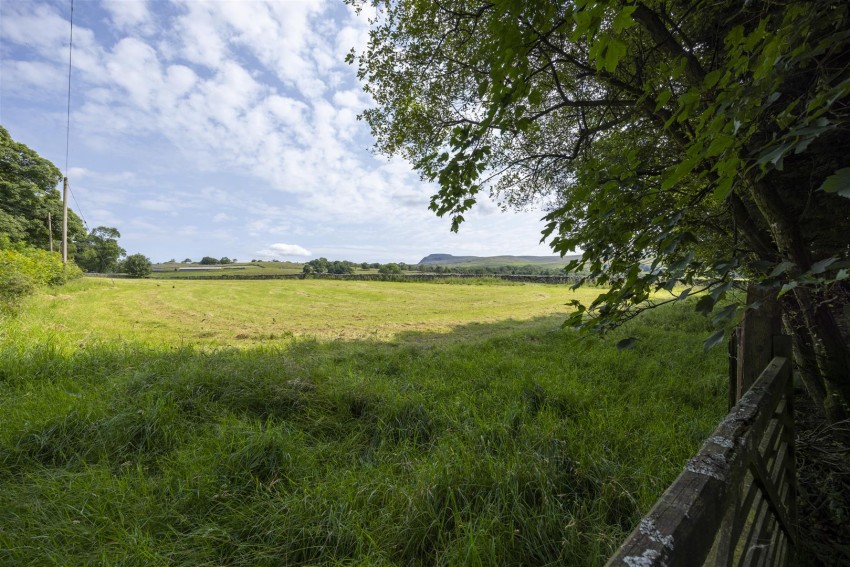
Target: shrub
(137,266)
(14,286)
(23,269)
(389,269)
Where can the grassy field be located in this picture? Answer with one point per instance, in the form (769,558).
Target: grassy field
(451,425)
(240,268)
(246,313)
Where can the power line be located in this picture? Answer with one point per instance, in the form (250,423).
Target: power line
(68,117)
(68,123)
(79,211)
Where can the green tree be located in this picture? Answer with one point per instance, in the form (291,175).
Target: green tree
(137,265)
(209,261)
(28,194)
(341,267)
(225,260)
(98,251)
(390,269)
(706,139)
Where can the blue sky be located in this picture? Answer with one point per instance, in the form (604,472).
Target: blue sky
(225,128)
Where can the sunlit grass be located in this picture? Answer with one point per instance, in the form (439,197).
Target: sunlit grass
(467,442)
(247,313)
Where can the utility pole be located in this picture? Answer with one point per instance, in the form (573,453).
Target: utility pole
(65,220)
(50,230)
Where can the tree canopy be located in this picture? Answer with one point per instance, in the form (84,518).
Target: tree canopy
(98,251)
(706,139)
(390,269)
(137,266)
(325,266)
(28,193)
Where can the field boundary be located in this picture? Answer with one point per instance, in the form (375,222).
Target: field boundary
(735,502)
(365,277)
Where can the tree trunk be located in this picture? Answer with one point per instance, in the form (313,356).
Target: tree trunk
(804,355)
(822,350)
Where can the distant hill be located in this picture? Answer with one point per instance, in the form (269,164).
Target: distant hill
(449,260)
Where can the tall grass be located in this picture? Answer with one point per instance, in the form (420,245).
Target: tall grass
(530,447)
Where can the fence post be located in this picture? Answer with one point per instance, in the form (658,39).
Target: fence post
(733,369)
(755,339)
(753,345)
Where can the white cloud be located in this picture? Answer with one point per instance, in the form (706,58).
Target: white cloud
(133,65)
(36,26)
(157,205)
(32,76)
(102,217)
(78,173)
(246,107)
(201,43)
(129,14)
(281,250)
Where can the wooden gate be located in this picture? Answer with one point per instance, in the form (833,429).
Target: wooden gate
(734,504)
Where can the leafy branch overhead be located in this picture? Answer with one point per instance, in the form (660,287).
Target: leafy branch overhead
(674,143)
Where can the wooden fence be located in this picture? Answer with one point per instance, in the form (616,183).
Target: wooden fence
(734,504)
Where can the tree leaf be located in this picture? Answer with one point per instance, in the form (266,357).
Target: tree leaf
(662,99)
(678,173)
(781,268)
(822,266)
(720,143)
(582,19)
(725,267)
(775,155)
(722,317)
(615,51)
(718,293)
(623,20)
(786,288)
(712,78)
(705,304)
(713,340)
(838,182)
(724,188)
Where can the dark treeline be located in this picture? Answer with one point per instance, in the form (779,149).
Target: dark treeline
(341,267)
(325,266)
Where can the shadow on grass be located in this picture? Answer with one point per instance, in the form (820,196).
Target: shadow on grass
(504,443)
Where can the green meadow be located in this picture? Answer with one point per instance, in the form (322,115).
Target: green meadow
(171,270)
(305,422)
(250,312)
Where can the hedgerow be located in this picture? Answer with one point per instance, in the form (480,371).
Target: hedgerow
(24,269)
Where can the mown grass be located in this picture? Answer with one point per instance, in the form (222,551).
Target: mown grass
(171,270)
(249,313)
(529,446)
